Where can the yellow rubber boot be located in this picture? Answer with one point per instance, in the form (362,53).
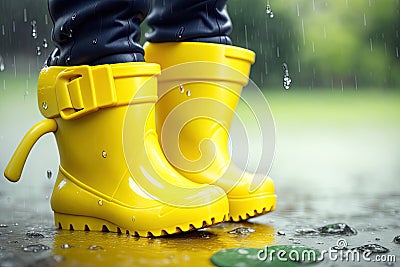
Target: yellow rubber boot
(199,89)
(113,175)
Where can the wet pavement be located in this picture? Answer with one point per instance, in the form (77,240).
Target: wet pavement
(336,162)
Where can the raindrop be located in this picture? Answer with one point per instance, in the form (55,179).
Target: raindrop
(45,44)
(65,246)
(34,235)
(396,239)
(242,231)
(46,19)
(269,12)
(365,20)
(281,233)
(13,26)
(25,16)
(370,44)
(35,248)
(49,173)
(373,248)
(2,67)
(286,78)
(26,93)
(73,17)
(68,60)
(94,42)
(38,51)
(337,229)
(34,29)
(3,30)
(95,247)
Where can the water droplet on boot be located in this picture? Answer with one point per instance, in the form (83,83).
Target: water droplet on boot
(188,93)
(104,154)
(94,42)
(286,78)
(242,231)
(65,246)
(34,29)
(68,60)
(281,233)
(100,202)
(73,17)
(34,235)
(95,247)
(181,89)
(180,32)
(337,229)
(49,174)
(35,248)
(2,225)
(373,248)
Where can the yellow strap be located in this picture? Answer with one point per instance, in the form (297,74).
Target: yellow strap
(72,92)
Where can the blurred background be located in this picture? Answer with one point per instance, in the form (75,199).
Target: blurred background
(347,44)
(337,150)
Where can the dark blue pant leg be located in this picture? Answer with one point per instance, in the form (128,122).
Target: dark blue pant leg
(189,21)
(96,31)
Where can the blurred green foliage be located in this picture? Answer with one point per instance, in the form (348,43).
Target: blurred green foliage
(345,44)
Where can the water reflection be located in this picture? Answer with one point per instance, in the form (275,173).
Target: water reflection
(182,249)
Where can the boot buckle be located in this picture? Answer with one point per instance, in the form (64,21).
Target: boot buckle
(84,89)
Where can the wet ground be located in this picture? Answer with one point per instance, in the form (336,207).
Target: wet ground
(337,161)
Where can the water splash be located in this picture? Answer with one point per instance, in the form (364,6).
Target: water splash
(281,233)
(242,231)
(287,81)
(35,248)
(269,12)
(307,231)
(34,29)
(330,229)
(34,235)
(337,229)
(372,248)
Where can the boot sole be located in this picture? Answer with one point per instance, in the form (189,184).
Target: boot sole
(239,208)
(84,223)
